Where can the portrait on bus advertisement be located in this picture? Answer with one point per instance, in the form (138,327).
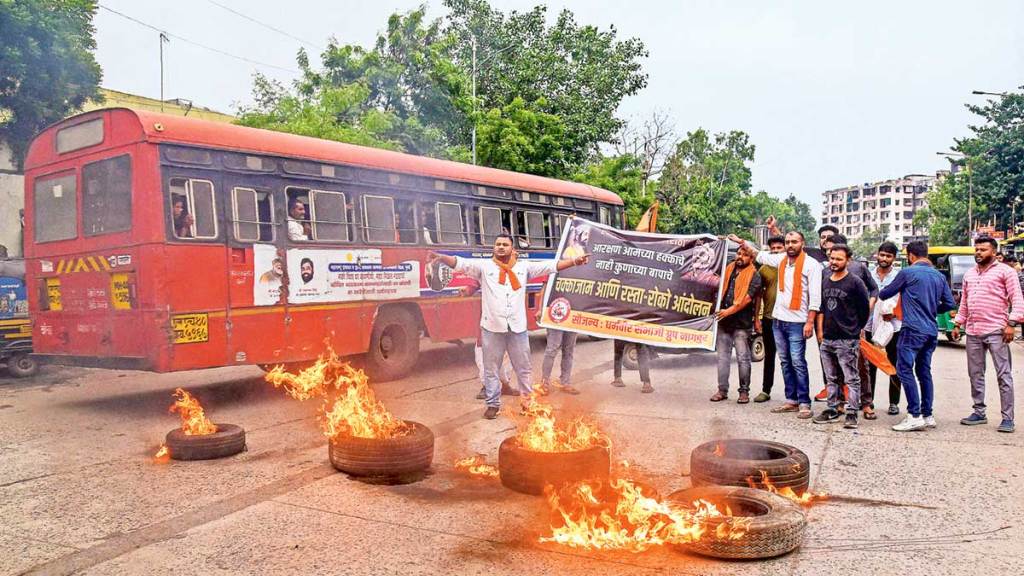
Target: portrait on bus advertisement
(331,276)
(653,289)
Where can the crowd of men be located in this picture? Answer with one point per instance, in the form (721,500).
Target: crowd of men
(789,293)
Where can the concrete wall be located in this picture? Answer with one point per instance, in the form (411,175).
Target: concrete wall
(12,201)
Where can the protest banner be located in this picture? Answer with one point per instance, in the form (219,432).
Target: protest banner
(655,289)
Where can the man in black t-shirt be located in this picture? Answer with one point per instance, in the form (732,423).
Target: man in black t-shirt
(845,309)
(735,321)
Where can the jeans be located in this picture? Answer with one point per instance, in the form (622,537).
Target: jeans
(789,338)
(768,337)
(894,381)
(1002,359)
(842,356)
(914,367)
(505,373)
(725,342)
(496,345)
(642,357)
(566,342)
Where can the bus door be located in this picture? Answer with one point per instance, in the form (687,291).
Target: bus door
(256,270)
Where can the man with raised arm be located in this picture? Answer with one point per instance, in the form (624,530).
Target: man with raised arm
(796,305)
(503,281)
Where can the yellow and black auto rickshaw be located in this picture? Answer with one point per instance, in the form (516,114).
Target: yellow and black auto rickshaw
(15,327)
(953,262)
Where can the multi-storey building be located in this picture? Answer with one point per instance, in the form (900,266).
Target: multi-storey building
(889,205)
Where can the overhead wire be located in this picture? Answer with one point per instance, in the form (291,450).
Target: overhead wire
(194,43)
(265,25)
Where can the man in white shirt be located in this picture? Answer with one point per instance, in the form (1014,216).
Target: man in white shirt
(296,218)
(796,306)
(503,281)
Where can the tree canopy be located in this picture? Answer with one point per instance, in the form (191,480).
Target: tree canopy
(47,66)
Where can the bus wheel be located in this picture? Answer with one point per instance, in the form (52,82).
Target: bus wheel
(22,365)
(394,345)
(631,356)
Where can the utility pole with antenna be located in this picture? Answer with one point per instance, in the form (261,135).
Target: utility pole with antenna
(163,38)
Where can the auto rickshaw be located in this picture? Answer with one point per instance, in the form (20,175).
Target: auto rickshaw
(15,327)
(953,262)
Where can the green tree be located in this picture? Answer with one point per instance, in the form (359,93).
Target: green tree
(47,65)
(946,214)
(624,175)
(869,240)
(581,72)
(520,138)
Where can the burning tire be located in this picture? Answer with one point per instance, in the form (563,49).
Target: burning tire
(529,472)
(384,457)
(737,462)
(394,344)
(776,526)
(226,441)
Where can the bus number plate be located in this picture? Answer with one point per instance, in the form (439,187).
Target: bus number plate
(189,328)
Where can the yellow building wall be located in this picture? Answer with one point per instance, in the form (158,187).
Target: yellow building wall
(115,99)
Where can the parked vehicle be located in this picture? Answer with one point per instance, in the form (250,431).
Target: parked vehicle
(15,326)
(953,262)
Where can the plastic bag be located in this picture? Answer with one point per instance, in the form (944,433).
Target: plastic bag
(882,332)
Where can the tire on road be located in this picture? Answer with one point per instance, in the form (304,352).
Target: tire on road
(22,365)
(529,472)
(394,344)
(228,440)
(743,459)
(384,457)
(777,525)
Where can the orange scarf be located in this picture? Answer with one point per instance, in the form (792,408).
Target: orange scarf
(506,271)
(742,281)
(798,280)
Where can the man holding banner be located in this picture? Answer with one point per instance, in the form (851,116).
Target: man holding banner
(735,319)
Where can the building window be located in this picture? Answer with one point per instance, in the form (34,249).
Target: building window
(107,196)
(55,208)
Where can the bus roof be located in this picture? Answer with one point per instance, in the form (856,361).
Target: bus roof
(159,128)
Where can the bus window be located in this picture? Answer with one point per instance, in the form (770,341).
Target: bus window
(329,213)
(563,222)
(450,225)
(56,207)
(107,196)
(405,221)
(193,208)
(533,228)
(299,227)
(604,216)
(379,215)
(253,215)
(493,221)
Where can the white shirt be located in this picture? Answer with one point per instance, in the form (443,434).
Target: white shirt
(810,299)
(503,309)
(295,230)
(889,304)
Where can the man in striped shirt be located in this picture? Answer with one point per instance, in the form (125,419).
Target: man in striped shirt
(991,306)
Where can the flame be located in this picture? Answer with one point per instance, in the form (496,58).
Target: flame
(476,466)
(162,455)
(720,450)
(626,519)
(543,434)
(350,407)
(805,499)
(193,419)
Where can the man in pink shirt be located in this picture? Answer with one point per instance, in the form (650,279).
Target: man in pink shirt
(991,306)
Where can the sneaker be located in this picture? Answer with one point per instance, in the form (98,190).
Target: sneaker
(822,396)
(787,407)
(647,388)
(910,423)
(805,412)
(482,395)
(744,398)
(851,420)
(929,422)
(1005,426)
(893,409)
(762,397)
(570,390)
(618,383)
(974,420)
(826,416)
(491,413)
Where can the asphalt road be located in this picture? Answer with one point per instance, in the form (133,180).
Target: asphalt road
(80,493)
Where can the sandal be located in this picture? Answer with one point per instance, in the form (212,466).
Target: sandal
(718,397)
(869,413)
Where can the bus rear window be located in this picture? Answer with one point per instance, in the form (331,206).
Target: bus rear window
(80,136)
(56,207)
(107,196)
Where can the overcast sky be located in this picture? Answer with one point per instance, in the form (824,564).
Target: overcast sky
(832,94)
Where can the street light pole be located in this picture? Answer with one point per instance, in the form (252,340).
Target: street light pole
(473,42)
(163,38)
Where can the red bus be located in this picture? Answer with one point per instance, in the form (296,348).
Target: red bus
(163,243)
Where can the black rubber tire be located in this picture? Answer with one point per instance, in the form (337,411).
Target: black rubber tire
(777,528)
(529,472)
(756,348)
(384,457)
(228,440)
(949,336)
(22,365)
(785,465)
(394,344)
(631,356)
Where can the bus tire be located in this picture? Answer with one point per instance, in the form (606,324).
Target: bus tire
(394,344)
(756,348)
(631,356)
(22,365)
